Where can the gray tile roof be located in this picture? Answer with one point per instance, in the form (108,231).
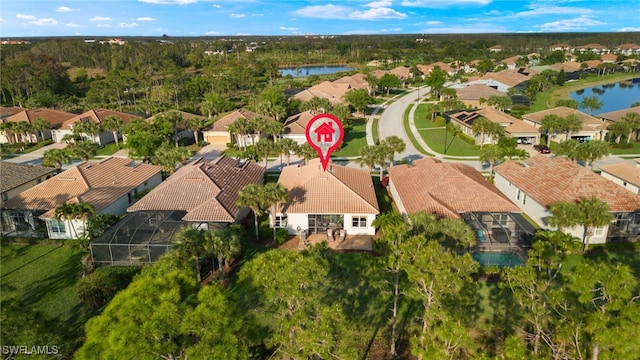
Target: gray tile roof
(13,175)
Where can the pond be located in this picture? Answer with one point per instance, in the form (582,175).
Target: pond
(615,96)
(314,70)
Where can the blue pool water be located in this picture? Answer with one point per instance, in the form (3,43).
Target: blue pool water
(487,258)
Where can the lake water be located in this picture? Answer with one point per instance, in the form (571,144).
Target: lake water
(615,96)
(314,70)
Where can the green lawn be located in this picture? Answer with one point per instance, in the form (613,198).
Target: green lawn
(108,149)
(410,134)
(355,138)
(435,138)
(40,279)
(635,149)
(374,130)
(422,118)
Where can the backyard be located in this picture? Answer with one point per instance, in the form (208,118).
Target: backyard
(433,133)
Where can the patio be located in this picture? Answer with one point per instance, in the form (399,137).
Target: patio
(350,243)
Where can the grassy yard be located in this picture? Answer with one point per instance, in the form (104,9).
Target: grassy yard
(108,149)
(422,118)
(635,149)
(355,138)
(410,134)
(40,280)
(435,138)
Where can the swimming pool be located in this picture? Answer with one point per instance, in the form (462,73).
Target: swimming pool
(502,258)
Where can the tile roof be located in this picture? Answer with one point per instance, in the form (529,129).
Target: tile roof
(224,122)
(54,117)
(589,123)
(6,111)
(569,66)
(549,180)
(512,125)
(355,81)
(97,116)
(99,183)
(339,190)
(297,124)
(626,172)
(447,189)
(206,189)
(13,175)
(619,114)
(510,78)
(477,91)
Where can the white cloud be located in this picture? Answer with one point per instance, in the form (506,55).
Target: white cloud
(125,25)
(146,18)
(554,10)
(44,22)
(438,4)
(288,28)
(377,4)
(213,33)
(576,24)
(624,29)
(72,25)
(434,22)
(471,29)
(377,13)
(100,18)
(217,6)
(237,16)
(25,17)
(169,2)
(324,12)
(1,20)
(64,9)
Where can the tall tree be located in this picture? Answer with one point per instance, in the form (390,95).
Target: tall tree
(306,152)
(40,125)
(114,124)
(84,150)
(592,213)
(287,146)
(359,99)
(591,103)
(572,123)
(551,124)
(492,155)
(195,124)
(56,157)
(396,145)
(252,196)
(86,129)
(189,246)
(481,127)
(214,104)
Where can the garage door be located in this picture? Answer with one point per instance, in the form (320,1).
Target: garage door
(216,140)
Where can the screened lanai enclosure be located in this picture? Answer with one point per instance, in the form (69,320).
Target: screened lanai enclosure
(140,238)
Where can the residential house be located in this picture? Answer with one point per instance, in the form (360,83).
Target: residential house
(475,95)
(355,81)
(329,90)
(594,48)
(296,125)
(592,128)
(505,79)
(16,178)
(560,47)
(55,118)
(427,69)
(110,185)
(618,115)
(218,132)
(609,58)
(97,116)
(540,181)
(496,48)
(511,62)
(204,192)
(627,49)
(340,200)
(458,191)
(6,111)
(623,174)
(513,127)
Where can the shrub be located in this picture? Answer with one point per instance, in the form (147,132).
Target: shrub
(468,139)
(98,288)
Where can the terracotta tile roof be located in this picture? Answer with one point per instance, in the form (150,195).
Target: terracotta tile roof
(549,180)
(627,47)
(297,124)
(54,117)
(512,125)
(589,123)
(98,116)
(624,171)
(355,81)
(6,111)
(13,175)
(98,183)
(477,91)
(609,57)
(619,114)
(569,66)
(206,190)
(511,77)
(592,64)
(511,60)
(224,122)
(447,189)
(339,190)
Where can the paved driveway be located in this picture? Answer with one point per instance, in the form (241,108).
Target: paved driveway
(35,157)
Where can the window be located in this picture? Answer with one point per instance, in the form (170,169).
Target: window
(500,219)
(57,226)
(281,221)
(599,231)
(524,199)
(359,221)
(518,196)
(5,196)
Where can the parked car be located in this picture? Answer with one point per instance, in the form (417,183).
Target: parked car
(543,149)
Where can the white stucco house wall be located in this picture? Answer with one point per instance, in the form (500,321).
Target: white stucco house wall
(624,174)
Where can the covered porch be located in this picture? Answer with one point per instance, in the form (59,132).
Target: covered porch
(349,243)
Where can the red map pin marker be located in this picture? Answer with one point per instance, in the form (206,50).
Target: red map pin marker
(324,134)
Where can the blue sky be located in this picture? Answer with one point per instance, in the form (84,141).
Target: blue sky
(25,18)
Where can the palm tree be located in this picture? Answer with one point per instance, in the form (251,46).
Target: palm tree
(572,123)
(633,119)
(569,149)
(87,127)
(56,157)
(287,146)
(239,130)
(619,130)
(591,103)
(551,124)
(396,145)
(257,125)
(6,130)
(23,128)
(189,246)
(84,211)
(491,155)
(264,147)
(592,213)
(176,119)
(563,215)
(84,150)
(195,124)
(114,124)
(480,127)
(275,194)
(591,151)
(252,196)
(214,104)
(274,128)
(306,152)
(40,125)
(369,156)
(72,211)
(231,245)
(65,212)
